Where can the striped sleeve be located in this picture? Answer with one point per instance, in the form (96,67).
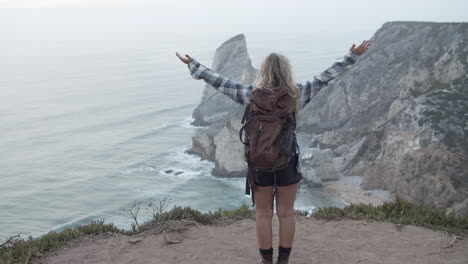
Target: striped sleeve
(236,91)
(310,89)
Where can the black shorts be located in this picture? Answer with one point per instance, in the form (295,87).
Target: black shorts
(286,176)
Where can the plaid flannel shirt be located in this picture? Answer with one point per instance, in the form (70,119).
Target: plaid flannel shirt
(240,93)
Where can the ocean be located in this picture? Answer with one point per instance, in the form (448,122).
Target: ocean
(92,122)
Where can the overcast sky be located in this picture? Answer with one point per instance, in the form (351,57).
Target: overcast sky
(248,11)
(402,7)
(205,17)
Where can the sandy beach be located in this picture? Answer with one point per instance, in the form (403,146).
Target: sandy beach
(348,189)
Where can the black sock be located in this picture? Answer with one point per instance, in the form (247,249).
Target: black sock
(267,253)
(283,253)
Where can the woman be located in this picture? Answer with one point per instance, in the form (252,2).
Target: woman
(275,71)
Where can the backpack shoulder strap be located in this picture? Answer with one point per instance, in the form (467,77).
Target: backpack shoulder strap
(294,119)
(246,113)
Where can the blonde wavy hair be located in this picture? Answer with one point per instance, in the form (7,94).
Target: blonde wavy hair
(276,73)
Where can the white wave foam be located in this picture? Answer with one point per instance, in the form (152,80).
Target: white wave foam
(179,173)
(184,165)
(176,163)
(187,122)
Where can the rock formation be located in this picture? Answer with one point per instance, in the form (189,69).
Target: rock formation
(399,117)
(219,140)
(232,61)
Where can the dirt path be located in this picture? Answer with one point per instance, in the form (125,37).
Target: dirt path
(317,241)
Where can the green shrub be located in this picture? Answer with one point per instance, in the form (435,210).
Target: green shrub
(21,251)
(398,211)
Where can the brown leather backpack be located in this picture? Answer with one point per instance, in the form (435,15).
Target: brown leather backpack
(268,132)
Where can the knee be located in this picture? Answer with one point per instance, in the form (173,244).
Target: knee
(284,212)
(264,213)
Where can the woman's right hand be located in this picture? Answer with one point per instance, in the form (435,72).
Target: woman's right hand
(184,60)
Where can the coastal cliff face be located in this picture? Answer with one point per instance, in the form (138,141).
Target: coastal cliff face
(219,140)
(399,117)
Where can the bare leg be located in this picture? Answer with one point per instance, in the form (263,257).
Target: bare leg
(264,215)
(285,198)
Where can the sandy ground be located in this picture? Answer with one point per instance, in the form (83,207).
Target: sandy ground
(317,241)
(352,193)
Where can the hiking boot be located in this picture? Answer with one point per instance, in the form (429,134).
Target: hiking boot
(266,256)
(283,255)
(264,261)
(283,261)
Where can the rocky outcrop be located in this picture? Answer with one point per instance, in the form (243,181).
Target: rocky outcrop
(219,141)
(399,117)
(406,60)
(232,61)
(229,152)
(321,165)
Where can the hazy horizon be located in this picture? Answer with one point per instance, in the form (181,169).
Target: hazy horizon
(80,22)
(324,17)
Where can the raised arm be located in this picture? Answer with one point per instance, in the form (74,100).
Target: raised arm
(310,89)
(236,91)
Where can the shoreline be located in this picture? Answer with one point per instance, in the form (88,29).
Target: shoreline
(348,189)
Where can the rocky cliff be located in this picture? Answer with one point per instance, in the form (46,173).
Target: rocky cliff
(399,117)
(219,140)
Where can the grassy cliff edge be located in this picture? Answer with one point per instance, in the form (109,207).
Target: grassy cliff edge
(399,211)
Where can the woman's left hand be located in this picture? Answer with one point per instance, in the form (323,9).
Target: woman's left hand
(361,49)
(184,60)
